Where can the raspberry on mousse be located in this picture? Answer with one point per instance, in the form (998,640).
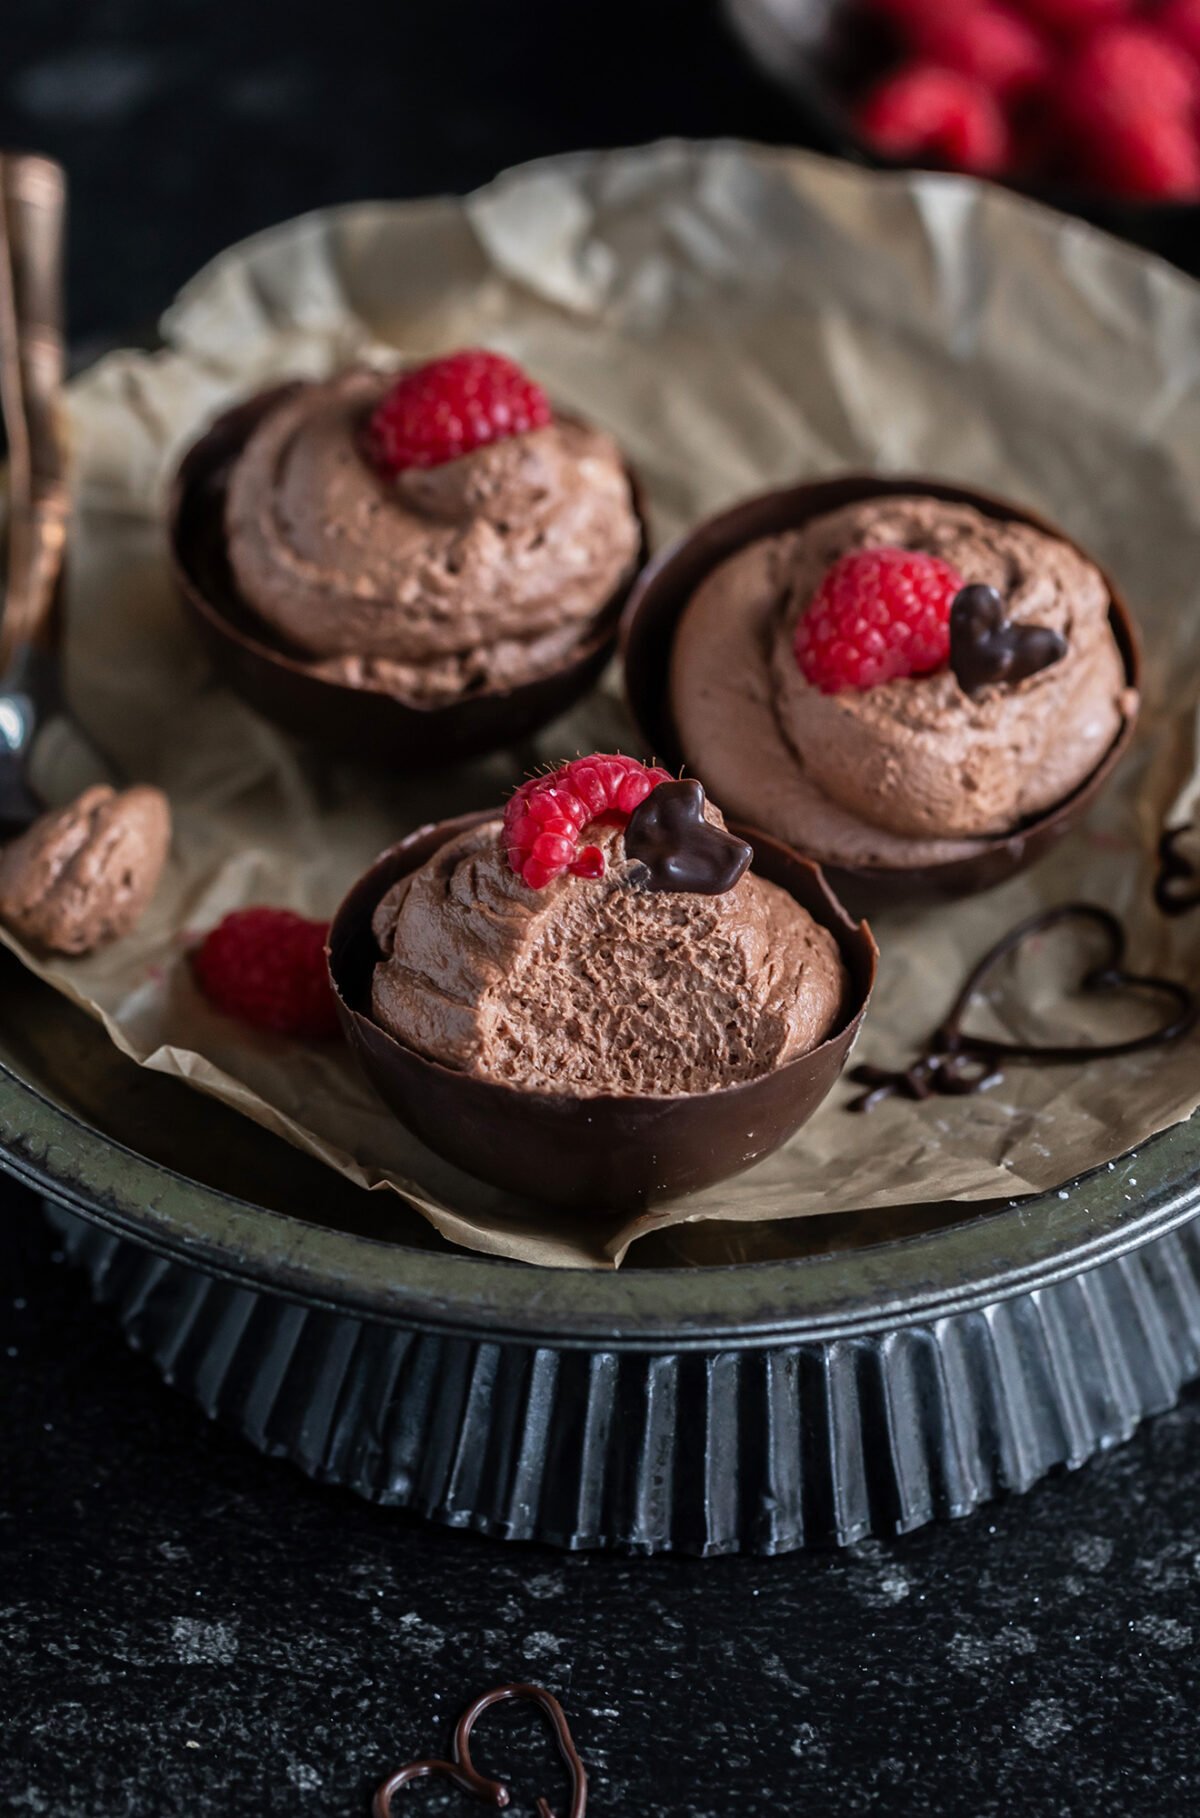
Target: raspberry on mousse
(545,817)
(898,682)
(604,935)
(441,411)
(877,614)
(431,534)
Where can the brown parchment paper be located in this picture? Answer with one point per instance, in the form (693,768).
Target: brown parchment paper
(738,317)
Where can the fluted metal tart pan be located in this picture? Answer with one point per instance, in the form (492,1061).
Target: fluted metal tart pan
(848,1377)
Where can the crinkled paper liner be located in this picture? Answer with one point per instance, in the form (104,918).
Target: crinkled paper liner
(739,318)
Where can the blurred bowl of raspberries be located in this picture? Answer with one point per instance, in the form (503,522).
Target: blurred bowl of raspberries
(1093,105)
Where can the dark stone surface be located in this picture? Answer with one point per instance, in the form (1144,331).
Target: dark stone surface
(187,1627)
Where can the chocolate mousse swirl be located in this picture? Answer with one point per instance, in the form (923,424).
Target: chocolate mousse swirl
(919,770)
(921,756)
(485,571)
(599,985)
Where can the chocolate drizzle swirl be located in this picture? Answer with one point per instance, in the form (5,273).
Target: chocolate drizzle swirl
(678,849)
(465,1775)
(986,647)
(954,1063)
(1177,886)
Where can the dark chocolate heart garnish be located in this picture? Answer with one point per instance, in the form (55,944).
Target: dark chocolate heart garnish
(955,1062)
(463,1772)
(986,647)
(678,848)
(1177,886)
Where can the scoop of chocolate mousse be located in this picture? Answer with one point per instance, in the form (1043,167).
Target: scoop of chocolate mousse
(483,571)
(83,875)
(917,770)
(600,985)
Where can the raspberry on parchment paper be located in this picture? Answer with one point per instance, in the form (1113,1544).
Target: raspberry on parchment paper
(266,967)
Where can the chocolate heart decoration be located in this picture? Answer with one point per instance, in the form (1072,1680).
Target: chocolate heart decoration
(955,1062)
(678,849)
(466,1778)
(463,1772)
(985,647)
(1177,886)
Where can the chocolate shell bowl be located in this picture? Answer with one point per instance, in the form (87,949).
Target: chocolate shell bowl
(667,585)
(364,723)
(596,1153)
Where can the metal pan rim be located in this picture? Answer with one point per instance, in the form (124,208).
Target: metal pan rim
(1031,1244)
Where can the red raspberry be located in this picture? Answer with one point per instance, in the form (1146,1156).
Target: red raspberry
(923,112)
(267,968)
(1074,18)
(1152,156)
(991,44)
(1128,69)
(1179,20)
(436,413)
(545,817)
(1127,101)
(877,614)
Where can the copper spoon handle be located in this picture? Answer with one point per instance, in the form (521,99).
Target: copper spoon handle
(32,212)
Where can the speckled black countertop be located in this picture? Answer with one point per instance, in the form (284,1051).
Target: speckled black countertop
(187,1627)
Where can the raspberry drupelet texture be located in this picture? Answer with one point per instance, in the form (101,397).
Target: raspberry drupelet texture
(545,818)
(878,614)
(267,968)
(437,412)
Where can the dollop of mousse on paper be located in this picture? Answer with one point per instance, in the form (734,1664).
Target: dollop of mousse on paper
(915,769)
(599,982)
(83,875)
(481,571)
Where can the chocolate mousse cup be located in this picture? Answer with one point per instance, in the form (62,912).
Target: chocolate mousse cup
(596,1153)
(357,720)
(667,586)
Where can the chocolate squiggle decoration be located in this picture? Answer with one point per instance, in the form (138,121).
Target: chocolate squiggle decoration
(954,1063)
(1177,886)
(465,1775)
